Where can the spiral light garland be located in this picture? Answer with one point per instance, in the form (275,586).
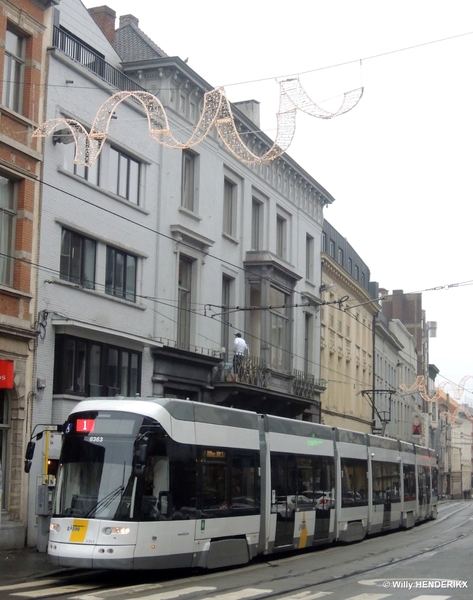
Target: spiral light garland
(457,389)
(216,111)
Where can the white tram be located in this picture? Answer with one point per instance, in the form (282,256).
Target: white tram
(161,483)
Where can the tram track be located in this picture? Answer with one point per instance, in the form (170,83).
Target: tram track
(319,573)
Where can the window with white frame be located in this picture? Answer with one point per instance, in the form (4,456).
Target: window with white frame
(188,180)
(13,70)
(308,342)
(280,329)
(120,274)
(124,175)
(77,263)
(281,236)
(309,257)
(90,174)
(184,302)
(332,249)
(227,283)
(229,206)
(7,229)
(270,338)
(256,223)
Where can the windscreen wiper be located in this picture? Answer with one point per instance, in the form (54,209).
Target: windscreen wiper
(105,501)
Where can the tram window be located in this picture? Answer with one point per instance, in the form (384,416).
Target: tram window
(214,480)
(183,481)
(284,475)
(386,482)
(305,475)
(244,483)
(229,482)
(409,472)
(423,480)
(354,482)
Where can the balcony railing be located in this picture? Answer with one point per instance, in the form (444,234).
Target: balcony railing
(244,369)
(306,385)
(254,371)
(215,352)
(89,59)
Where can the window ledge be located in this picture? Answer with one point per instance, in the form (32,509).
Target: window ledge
(10,291)
(189,213)
(102,190)
(230,238)
(55,280)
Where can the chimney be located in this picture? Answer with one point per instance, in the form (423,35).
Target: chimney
(128,20)
(105,19)
(251,109)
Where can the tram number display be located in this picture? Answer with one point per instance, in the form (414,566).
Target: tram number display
(85,425)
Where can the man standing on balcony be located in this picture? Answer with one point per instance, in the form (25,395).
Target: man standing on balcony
(240,348)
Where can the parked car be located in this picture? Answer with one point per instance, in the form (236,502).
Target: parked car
(322,500)
(351,498)
(286,506)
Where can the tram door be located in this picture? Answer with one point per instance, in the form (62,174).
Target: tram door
(284,497)
(324,485)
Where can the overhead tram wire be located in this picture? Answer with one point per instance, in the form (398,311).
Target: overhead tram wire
(315,70)
(354,61)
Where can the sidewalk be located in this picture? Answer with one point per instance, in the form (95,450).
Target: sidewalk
(17,566)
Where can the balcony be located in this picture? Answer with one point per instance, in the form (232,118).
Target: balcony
(306,385)
(253,371)
(85,55)
(250,370)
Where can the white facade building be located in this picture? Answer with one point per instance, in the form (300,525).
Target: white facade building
(150,259)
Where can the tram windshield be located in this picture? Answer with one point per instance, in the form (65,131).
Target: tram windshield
(96,478)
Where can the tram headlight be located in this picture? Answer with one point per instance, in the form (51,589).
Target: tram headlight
(54,527)
(116,530)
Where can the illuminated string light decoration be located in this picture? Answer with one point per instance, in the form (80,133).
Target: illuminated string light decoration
(457,392)
(89,145)
(452,417)
(299,98)
(419,384)
(286,126)
(216,111)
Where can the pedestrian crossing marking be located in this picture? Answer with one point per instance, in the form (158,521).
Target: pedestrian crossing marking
(55,591)
(369,596)
(135,589)
(431,597)
(20,586)
(242,594)
(238,595)
(306,596)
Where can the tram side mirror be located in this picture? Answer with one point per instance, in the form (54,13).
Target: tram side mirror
(30,451)
(141,453)
(140,456)
(29,456)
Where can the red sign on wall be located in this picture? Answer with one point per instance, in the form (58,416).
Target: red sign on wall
(7,371)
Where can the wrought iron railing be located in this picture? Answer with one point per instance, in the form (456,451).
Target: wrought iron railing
(244,369)
(216,352)
(306,385)
(84,55)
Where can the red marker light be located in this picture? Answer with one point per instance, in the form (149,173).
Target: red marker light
(84,425)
